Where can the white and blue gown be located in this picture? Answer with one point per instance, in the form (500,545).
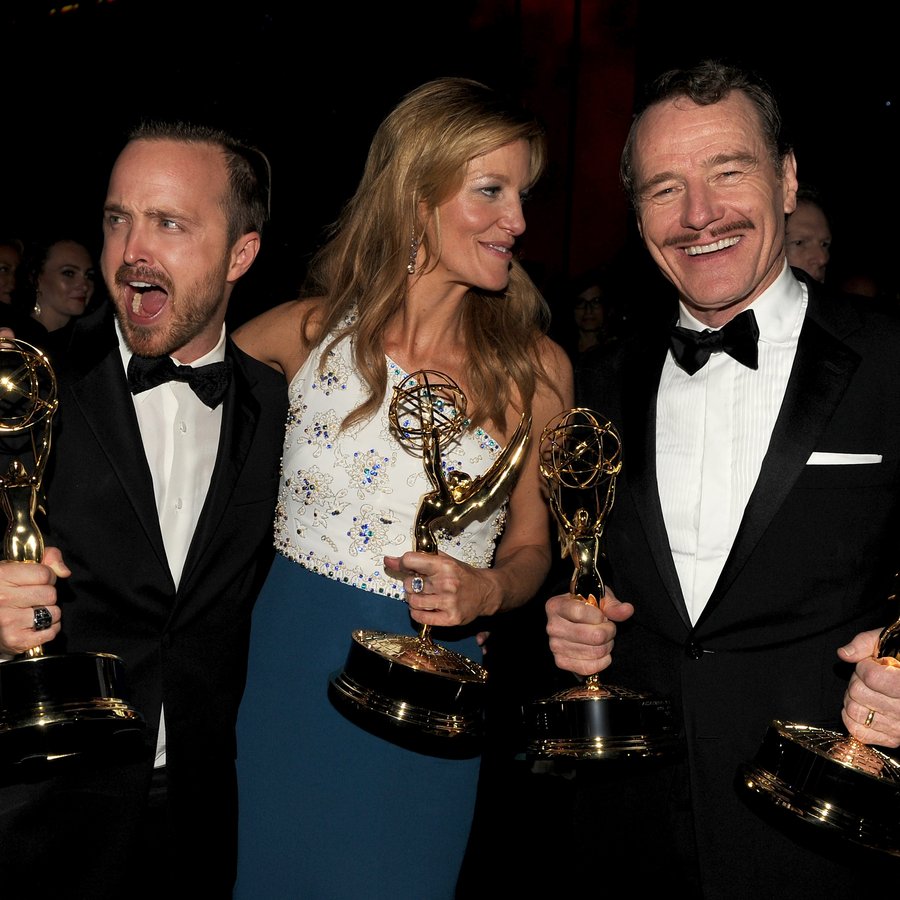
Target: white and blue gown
(327,809)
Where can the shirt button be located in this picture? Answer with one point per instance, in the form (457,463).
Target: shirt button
(182,427)
(179,503)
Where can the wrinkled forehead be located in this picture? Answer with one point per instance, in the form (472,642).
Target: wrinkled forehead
(681,131)
(169,174)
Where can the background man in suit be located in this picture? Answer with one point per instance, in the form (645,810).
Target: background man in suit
(807,234)
(159,513)
(755,525)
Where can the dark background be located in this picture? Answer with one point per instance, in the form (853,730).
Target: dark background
(309,86)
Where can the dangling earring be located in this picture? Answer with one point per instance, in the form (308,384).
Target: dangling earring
(37,305)
(413,253)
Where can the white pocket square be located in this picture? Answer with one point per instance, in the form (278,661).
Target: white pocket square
(843,459)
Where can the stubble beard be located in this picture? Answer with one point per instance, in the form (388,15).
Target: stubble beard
(189,314)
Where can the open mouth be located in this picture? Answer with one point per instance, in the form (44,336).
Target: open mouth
(144,299)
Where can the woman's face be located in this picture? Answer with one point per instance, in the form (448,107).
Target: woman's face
(9,262)
(480,224)
(588,309)
(66,283)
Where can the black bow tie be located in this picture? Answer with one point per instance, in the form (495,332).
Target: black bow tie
(209,383)
(692,349)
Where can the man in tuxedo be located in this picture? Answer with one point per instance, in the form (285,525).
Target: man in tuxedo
(160,498)
(753,541)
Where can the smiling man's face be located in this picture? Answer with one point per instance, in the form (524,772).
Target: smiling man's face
(711,205)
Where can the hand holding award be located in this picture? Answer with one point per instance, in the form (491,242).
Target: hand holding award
(432,694)
(60,705)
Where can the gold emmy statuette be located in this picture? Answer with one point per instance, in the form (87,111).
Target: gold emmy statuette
(55,706)
(581,456)
(831,780)
(408,687)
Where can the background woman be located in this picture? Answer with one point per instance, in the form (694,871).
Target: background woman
(55,284)
(419,273)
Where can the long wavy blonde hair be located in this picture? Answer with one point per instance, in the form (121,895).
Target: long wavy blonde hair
(417,161)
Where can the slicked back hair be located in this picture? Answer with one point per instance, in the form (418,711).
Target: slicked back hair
(246,205)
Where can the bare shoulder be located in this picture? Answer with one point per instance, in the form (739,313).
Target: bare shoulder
(282,336)
(558,366)
(556,391)
(553,356)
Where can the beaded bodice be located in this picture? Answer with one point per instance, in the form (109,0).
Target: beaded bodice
(348,498)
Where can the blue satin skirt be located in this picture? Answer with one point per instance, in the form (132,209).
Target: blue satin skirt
(329,811)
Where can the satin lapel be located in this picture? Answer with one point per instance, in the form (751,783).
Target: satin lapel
(823,368)
(100,390)
(641,389)
(240,414)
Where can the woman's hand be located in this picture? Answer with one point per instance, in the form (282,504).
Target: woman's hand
(441,590)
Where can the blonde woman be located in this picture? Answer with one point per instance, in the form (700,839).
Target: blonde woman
(420,272)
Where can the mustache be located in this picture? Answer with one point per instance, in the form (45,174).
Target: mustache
(126,274)
(713,234)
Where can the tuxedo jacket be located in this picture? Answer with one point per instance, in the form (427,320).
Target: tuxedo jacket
(810,567)
(185,648)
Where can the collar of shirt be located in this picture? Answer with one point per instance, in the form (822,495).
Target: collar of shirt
(778,310)
(181,458)
(709,458)
(217,354)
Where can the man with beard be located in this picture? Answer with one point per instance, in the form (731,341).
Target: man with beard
(160,497)
(754,539)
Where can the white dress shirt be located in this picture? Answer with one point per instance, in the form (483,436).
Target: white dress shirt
(712,432)
(181,439)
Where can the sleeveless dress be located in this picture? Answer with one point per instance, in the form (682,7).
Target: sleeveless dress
(329,811)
